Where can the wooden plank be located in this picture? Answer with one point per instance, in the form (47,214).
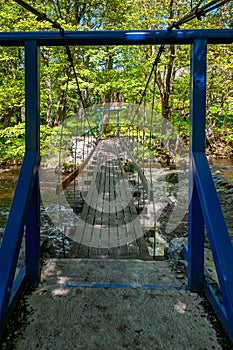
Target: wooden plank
(115,245)
(109,222)
(91,214)
(113,219)
(98,219)
(122,219)
(133,225)
(69,178)
(140,173)
(88,213)
(84,229)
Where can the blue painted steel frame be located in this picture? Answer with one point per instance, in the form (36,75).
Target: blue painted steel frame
(32,104)
(197,117)
(204,205)
(25,209)
(219,239)
(117,37)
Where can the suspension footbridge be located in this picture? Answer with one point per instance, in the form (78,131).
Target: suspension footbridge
(108,199)
(109,217)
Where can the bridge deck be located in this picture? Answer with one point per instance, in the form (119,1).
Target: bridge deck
(109,223)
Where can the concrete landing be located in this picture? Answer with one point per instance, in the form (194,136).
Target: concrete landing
(114,304)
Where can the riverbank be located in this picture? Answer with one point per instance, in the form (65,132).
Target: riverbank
(222,171)
(56,246)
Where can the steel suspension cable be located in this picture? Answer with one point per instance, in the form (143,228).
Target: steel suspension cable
(153,69)
(70,58)
(43,17)
(196,12)
(40,16)
(59,163)
(151,192)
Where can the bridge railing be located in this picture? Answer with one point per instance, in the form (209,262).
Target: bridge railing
(204,206)
(24,214)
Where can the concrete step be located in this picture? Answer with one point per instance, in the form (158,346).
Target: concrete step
(114,304)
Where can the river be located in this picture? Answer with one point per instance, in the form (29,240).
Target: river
(222,171)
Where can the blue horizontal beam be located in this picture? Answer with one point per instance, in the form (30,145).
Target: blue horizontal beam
(117,37)
(103,285)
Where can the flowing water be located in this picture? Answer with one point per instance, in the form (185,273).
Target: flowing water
(8,180)
(223,177)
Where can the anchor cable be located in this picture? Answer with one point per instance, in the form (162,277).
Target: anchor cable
(43,17)
(60,162)
(196,12)
(40,16)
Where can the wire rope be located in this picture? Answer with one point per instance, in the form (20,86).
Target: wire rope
(59,162)
(40,16)
(43,17)
(154,67)
(196,12)
(151,175)
(70,58)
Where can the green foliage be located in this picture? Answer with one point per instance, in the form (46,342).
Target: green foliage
(109,130)
(229,138)
(12,143)
(107,72)
(129,167)
(45,133)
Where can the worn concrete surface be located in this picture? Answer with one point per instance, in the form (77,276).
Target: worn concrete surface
(114,304)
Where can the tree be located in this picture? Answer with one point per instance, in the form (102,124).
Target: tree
(110,73)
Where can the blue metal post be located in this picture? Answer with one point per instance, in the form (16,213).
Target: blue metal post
(198,120)
(33,145)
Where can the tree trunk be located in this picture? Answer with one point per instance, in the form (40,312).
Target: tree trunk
(60,108)
(7,117)
(82,105)
(108,66)
(18,115)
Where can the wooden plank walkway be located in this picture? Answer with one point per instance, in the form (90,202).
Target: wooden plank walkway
(109,224)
